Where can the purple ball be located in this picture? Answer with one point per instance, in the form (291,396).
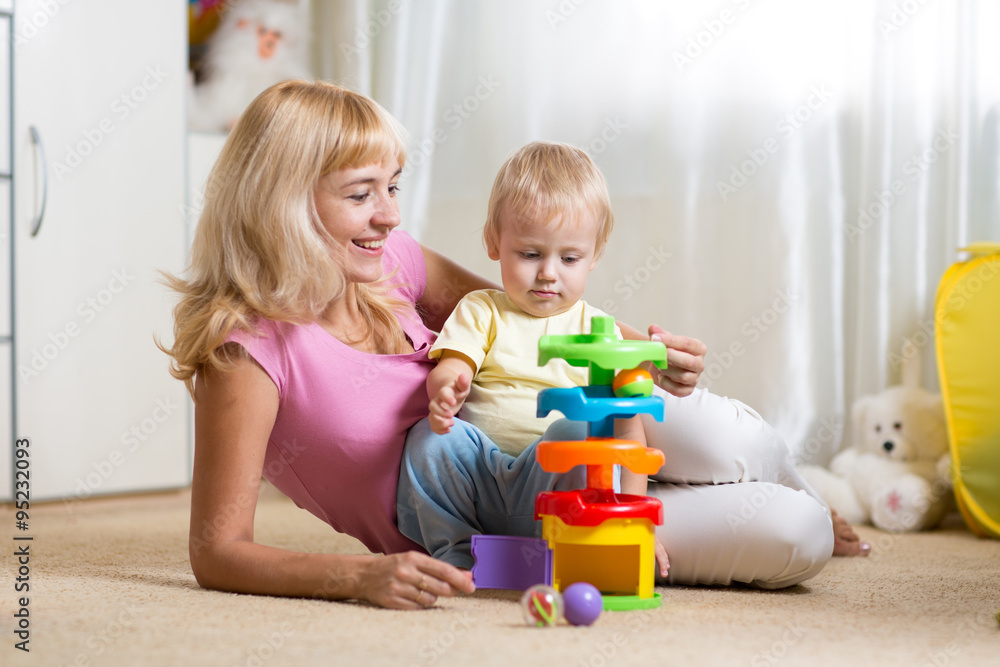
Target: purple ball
(582,603)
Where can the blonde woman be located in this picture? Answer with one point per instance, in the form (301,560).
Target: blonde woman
(306,362)
(302,333)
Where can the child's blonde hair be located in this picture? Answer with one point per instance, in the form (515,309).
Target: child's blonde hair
(259,249)
(551,179)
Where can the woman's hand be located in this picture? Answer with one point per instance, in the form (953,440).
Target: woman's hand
(411,580)
(685,362)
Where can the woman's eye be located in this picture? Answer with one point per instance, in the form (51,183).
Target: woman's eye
(360,197)
(393,190)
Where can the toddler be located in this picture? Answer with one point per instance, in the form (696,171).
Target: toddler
(548,222)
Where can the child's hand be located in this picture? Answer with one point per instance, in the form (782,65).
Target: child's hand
(662,562)
(447,403)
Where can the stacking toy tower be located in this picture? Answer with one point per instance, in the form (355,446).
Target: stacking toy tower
(596,535)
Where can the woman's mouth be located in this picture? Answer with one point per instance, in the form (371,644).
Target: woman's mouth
(374,245)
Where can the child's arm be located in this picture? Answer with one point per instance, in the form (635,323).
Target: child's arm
(634,483)
(447,388)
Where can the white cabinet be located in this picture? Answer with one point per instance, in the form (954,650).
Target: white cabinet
(98,144)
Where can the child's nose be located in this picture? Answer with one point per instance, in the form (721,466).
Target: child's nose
(547,270)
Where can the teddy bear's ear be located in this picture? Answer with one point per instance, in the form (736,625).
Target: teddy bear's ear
(934,408)
(858,411)
(930,435)
(934,403)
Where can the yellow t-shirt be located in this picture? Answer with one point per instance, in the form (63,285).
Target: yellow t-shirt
(502,341)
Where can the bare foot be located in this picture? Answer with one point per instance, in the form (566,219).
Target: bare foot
(845,541)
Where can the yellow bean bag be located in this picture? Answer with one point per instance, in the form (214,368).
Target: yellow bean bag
(967,319)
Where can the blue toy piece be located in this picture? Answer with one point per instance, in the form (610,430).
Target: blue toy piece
(597,405)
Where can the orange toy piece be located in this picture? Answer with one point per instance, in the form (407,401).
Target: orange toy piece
(562,455)
(600,456)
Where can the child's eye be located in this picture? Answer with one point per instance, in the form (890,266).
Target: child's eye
(570,260)
(527,254)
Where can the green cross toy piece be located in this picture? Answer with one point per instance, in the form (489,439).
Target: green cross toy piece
(601,350)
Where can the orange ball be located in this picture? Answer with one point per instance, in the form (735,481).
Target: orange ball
(633,383)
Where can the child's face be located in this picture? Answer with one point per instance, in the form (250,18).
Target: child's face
(544,266)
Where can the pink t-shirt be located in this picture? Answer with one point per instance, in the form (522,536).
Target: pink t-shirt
(343,414)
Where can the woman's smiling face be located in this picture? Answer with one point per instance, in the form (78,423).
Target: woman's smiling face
(358,208)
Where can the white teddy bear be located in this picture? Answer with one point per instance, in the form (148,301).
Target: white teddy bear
(257,44)
(897,473)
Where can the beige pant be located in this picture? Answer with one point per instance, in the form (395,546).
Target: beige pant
(734,507)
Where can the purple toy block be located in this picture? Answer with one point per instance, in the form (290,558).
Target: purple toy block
(514,563)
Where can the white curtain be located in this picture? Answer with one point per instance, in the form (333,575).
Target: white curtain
(790,178)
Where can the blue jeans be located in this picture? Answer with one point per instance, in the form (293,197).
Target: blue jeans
(460,484)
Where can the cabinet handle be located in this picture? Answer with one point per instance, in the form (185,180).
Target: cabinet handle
(36,139)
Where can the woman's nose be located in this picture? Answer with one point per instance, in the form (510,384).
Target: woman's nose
(387,212)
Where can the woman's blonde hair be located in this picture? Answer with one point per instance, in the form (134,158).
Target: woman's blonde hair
(550,179)
(259,249)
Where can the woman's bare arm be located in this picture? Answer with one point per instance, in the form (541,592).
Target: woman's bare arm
(235,412)
(447,283)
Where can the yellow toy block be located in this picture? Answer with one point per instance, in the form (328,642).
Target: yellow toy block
(615,556)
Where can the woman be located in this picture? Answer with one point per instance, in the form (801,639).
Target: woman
(302,334)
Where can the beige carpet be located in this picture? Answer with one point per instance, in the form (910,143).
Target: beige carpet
(110,585)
